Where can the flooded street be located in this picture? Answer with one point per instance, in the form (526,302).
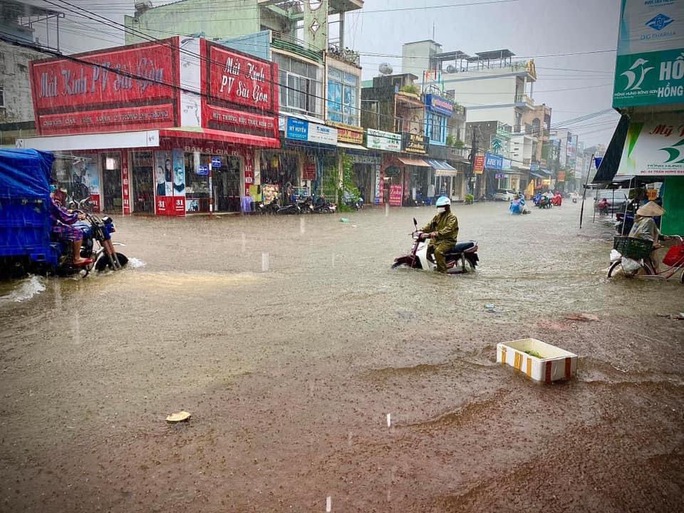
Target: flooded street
(290,340)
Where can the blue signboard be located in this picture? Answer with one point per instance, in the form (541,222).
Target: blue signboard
(202,170)
(493,161)
(439,105)
(216,162)
(297,129)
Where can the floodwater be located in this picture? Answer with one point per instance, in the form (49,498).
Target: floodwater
(319,379)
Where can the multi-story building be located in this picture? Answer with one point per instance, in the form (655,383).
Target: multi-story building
(320,83)
(493,87)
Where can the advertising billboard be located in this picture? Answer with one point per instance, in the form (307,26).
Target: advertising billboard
(235,83)
(650,54)
(127,88)
(654,147)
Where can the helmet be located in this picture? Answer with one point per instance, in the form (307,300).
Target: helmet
(443,201)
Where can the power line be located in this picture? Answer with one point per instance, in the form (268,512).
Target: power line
(112,24)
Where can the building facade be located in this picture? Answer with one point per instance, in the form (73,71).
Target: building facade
(320,83)
(181,134)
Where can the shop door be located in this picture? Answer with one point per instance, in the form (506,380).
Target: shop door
(111,187)
(143,183)
(226,182)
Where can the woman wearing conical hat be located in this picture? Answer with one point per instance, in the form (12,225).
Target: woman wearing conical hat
(644,225)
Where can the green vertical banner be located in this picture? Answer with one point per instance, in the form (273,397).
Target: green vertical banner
(673,202)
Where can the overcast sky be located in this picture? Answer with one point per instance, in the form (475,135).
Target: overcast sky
(572,41)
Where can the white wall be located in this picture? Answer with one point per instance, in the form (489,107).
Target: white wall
(14,69)
(487,97)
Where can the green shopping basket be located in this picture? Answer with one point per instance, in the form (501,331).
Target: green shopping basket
(632,248)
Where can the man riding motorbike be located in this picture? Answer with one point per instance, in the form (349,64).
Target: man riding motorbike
(442,231)
(63,227)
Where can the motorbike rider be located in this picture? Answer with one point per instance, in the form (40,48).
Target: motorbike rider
(63,225)
(442,231)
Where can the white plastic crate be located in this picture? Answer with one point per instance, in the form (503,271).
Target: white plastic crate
(553,363)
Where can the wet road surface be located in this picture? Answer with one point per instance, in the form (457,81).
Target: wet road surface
(290,340)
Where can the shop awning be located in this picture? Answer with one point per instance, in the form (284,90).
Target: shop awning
(118,140)
(407,161)
(348,146)
(211,135)
(537,175)
(611,160)
(653,148)
(442,168)
(142,139)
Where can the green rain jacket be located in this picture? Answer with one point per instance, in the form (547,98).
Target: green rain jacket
(446,226)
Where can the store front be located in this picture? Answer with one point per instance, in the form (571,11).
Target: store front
(405,180)
(309,160)
(384,145)
(153,146)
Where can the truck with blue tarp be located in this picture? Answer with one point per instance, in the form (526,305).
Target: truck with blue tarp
(25,229)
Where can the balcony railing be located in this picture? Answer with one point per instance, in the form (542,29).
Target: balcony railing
(297,49)
(523,98)
(345,55)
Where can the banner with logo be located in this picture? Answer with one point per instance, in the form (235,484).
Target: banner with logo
(654,148)
(650,57)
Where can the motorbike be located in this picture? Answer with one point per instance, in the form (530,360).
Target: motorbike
(323,206)
(353,202)
(267,208)
(289,209)
(463,258)
(97,246)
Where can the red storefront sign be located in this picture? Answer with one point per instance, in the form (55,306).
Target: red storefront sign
(479,164)
(95,201)
(395,195)
(309,171)
(238,79)
(238,121)
(163,206)
(110,82)
(114,120)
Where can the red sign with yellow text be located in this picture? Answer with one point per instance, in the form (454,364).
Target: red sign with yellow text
(240,121)
(110,83)
(239,79)
(479,164)
(112,120)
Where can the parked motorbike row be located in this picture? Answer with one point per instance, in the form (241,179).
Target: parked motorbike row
(298,205)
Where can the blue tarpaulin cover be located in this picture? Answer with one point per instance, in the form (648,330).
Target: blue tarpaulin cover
(24,198)
(25,173)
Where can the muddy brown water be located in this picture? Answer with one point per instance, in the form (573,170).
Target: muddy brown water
(290,340)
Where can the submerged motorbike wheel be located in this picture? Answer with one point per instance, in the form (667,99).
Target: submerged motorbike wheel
(104,263)
(406,262)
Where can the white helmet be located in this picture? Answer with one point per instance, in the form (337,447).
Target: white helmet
(443,201)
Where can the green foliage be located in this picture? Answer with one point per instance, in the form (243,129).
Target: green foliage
(330,185)
(469,198)
(459,144)
(410,88)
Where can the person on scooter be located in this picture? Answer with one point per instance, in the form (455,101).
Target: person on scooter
(442,231)
(62,225)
